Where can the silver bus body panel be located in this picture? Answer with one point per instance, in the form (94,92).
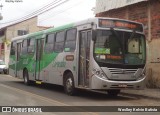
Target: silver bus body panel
(54,72)
(99,83)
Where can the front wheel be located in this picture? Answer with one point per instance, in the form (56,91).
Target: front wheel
(113,93)
(5,71)
(26,78)
(69,87)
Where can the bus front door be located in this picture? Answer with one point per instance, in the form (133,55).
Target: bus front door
(84,50)
(39,54)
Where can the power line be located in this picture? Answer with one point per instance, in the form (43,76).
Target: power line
(55,6)
(31,14)
(59,12)
(44,9)
(38,12)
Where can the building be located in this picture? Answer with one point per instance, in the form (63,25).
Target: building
(10,31)
(146,12)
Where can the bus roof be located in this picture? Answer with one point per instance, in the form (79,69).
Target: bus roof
(71,25)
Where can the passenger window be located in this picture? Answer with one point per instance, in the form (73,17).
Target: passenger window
(13,48)
(25,43)
(49,47)
(19,47)
(24,46)
(31,45)
(59,43)
(70,43)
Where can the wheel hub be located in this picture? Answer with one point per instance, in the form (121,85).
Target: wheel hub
(69,84)
(25,79)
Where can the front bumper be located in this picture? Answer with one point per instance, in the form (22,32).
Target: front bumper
(104,84)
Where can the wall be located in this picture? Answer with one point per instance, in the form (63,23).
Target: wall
(147,13)
(30,25)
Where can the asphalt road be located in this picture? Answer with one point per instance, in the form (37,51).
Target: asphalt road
(14,93)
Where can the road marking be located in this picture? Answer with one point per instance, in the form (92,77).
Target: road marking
(43,98)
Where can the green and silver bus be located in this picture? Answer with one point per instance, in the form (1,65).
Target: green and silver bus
(99,54)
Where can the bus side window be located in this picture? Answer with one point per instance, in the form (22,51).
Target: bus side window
(59,43)
(24,46)
(13,48)
(49,47)
(31,46)
(19,47)
(70,43)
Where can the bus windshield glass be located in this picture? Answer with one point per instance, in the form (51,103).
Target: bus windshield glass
(119,47)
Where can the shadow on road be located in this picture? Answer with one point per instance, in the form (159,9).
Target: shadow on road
(142,96)
(58,90)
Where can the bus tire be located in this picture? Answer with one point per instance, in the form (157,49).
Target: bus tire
(5,71)
(113,93)
(26,78)
(69,87)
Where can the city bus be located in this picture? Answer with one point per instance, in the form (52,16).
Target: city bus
(97,54)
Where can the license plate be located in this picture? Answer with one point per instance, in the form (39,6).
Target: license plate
(122,85)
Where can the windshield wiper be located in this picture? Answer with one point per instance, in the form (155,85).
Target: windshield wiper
(132,35)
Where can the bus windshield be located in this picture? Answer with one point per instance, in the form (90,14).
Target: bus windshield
(119,47)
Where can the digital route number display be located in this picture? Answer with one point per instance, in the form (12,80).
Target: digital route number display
(120,24)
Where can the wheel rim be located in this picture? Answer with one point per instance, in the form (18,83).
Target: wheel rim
(25,79)
(69,85)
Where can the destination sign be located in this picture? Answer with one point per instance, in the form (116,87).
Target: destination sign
(108,23)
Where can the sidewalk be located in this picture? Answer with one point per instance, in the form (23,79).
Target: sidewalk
(146,93)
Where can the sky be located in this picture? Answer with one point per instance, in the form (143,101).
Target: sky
(71,11)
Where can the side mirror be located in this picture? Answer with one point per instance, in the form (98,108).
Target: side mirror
(94,35)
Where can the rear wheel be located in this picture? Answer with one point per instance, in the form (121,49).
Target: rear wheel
(113,93)
(26,78)
(5,71)
(69,87)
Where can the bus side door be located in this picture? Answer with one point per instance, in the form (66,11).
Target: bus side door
(84,55)
(39,55)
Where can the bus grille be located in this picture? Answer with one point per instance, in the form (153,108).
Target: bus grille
(115,71)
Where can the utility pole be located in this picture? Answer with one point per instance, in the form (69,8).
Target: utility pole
(1,6)
(1,17)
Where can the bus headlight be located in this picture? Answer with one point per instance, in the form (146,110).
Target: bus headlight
(99,73)
(143,74)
